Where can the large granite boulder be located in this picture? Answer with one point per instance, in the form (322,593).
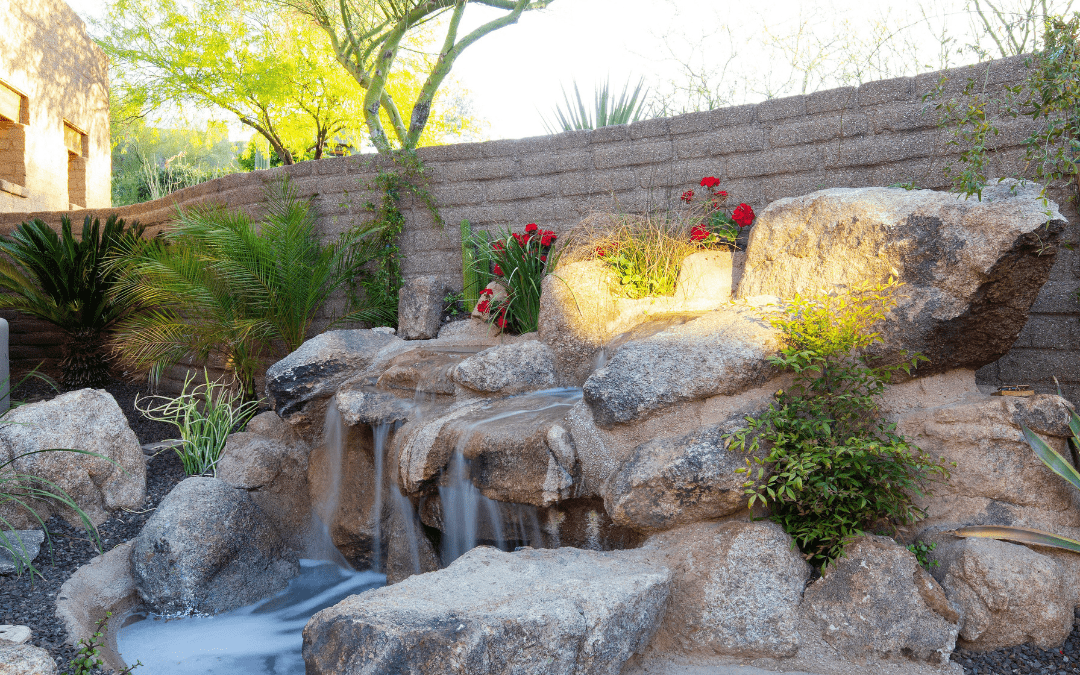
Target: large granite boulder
(87,419)
(682,358)
(420,304)
(736,589)
(971,268)
(508,369)
(25,660)
(561,611)
(299,385)
(208,548)
(676,481)
(1008,594)
(269,460)
(877,601)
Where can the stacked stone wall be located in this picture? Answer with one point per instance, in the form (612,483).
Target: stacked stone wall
(880,133)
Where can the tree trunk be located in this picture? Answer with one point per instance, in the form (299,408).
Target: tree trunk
(84,362)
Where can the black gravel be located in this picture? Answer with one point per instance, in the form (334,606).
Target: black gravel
(30,600)
(1025,659)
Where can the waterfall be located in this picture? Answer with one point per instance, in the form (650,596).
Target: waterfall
(325,505)
(379,433)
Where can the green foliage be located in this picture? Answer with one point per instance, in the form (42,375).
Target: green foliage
(605,110)
(64,280)
(1050,96)
(205,417)
(837,467)
(922,551)
(520,261)
(88,657)
(220,283)
(475,266)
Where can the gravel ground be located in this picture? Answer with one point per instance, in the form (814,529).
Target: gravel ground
(30,600)
(1024,659)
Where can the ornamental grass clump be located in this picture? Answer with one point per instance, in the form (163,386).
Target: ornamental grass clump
(833,467)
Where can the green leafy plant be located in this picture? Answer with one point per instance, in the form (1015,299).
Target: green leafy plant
(716,225)
(832,467)
(520,261)
(922,551)
(475,264)
(63,279)
(205,416)
(1059,465)
(88,658)
(218,282)
(605,111)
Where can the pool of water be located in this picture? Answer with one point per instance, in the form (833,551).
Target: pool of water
(261,639)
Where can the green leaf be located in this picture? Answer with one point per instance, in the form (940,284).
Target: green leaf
(1051,458)
(1019,535)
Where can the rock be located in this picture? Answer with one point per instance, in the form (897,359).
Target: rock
(997,479)
(19,547)
(561,611)
(270,461)
(736,589)
(208,548)
(1008,594)
(676,481)
(495,297)
(878,601)
(508,369)
(408,550)
(421,371)
(420,304)
(299,385)
(89,420)
(14,635)
(707,280)
(367,406)
(682,359)
(25,660)
(970,267)
(105,584)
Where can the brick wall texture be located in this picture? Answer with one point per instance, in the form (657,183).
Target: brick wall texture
(875,134)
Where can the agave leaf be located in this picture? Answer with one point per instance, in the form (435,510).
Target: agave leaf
(1019,535)
(1051,458)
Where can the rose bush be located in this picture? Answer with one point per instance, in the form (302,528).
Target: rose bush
(715,225)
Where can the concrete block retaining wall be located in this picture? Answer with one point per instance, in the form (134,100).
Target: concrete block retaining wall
(875,134)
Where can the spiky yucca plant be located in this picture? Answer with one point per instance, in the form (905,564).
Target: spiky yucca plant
(219,282)
(64,280)
(606,110)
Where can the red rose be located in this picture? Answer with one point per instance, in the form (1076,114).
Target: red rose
(497,246)
(600,253)
(543,258)
(687,196)
(709,181)
(548,239)
(720,193)
(498,271)
(743,215)
(699,232)
(531,227)
(501,321)
(483,306)
(487,291)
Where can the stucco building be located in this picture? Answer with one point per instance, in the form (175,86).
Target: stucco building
(54,110)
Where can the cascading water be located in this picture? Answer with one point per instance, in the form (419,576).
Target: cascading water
(325,504)
(465,510)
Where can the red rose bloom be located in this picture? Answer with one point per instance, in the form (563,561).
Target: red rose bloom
(720,193)
(600,253)
(497,246)
(709,181)
(548,239)
(483,306)
(498,271)
(501,321)
(487,291)
(687,196)
(531,227)
(543,258)
(743,215)
(699,232)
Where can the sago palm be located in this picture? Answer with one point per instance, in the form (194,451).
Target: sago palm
(64,280)
(218,282)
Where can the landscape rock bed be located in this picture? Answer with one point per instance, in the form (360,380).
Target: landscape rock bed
(31,601)
(1024,659)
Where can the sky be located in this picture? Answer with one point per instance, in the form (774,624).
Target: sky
(515,74)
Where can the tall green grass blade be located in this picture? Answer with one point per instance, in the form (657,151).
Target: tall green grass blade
(1019,535)
(1051,458)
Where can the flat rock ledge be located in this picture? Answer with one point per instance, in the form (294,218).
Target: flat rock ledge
(543,612)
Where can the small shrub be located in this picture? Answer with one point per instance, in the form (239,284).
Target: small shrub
(837,467)
(88,658)
(205,417)
(922,551)
(519,261)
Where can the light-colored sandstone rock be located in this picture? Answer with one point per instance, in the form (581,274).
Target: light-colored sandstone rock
(707,280)
(682,359)
(422,371)
(270,461)
(877,601)
(508,369)
(299,385)
(420,303)
(363,405)
(18,548)
(408,550)
(557,612)
(87,419)
(208,548)
(25,660)
(676,481)
(1009,594)
(970,267)
(736,589)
